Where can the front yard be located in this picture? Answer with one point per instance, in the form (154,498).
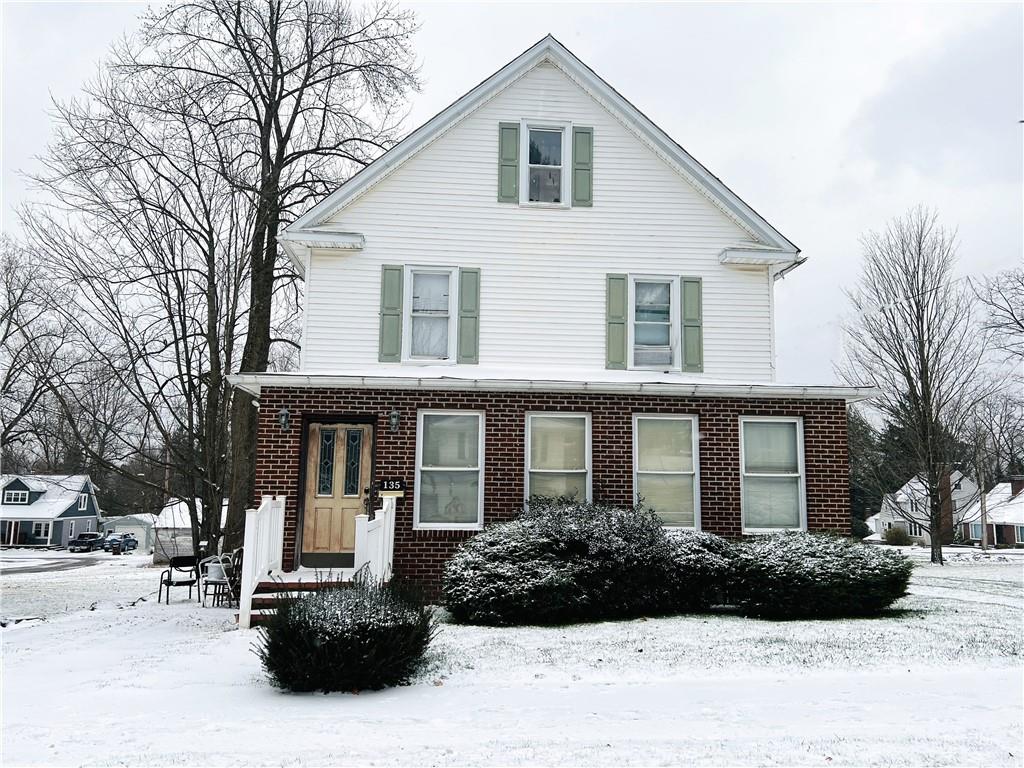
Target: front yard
(938,683)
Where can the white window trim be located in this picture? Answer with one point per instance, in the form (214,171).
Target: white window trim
(673,322)
(44,530)
(541,124)
(798,420)
(695,431)
(1018,533)
(589,452)
(479,524)
(453,291)
(83,502)
(973,537)
(71,529)
(15,497)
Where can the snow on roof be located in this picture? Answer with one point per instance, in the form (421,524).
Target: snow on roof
(1002,507)
(59,493)
(916,488)
(145,518)
(175,514)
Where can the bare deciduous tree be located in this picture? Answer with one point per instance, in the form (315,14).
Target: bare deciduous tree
(914,337)
(313,90)
(1002,297)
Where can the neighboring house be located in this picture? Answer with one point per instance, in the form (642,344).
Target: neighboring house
(140,526)
(540,292)
(909,508)
(1004,513)
(46,510)
(172,530)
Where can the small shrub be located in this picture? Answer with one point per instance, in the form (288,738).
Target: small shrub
(566,560)
(801,575)
(897,536)
(861,529)
(349,637)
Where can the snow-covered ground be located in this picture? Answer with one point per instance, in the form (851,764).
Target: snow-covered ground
(937,683)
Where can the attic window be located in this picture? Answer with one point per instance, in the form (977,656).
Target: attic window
(83,502)
(545,165)
(15,497)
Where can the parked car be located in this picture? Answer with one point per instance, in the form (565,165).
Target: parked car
(127,541)
(86,542)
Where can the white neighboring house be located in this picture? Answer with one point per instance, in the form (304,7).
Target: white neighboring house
(1004,515)
(172,531)
(46,510)
(907,508)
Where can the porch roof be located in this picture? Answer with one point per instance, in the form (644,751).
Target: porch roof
(599,381)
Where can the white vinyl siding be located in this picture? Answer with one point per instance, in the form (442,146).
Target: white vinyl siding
(665,467)
(542,270)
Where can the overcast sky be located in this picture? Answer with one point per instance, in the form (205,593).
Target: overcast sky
(827,119)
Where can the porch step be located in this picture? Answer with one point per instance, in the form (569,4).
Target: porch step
(272,587)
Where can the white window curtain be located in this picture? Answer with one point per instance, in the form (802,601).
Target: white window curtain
(771,475)
(665,476)
(448,489)
(430,314)
(558,456)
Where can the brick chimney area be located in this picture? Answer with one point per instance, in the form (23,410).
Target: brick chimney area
(1016,484)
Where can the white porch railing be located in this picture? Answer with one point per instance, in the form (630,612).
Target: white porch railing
(261,554)
(375,541)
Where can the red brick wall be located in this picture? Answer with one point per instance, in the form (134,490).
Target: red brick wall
(420,554)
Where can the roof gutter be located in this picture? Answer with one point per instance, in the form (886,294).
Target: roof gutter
(253,384)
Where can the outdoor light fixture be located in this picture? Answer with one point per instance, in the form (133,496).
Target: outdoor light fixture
(283,419)
(393,418)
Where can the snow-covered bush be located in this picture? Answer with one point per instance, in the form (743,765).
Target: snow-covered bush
(805,576)
(567,560)
(701,569)
(349,637)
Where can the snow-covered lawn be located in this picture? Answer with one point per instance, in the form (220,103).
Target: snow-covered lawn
(937,683)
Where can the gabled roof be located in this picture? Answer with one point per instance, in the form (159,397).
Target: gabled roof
(59,493)
(313,230)
(1002,506)
(175,514)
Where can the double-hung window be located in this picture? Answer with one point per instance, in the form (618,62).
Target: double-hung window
(976,531)
(430,314)
(665,468)
(83,502)
(41,530)
(558,455)
(1020,534)
(449,470)
(772,474)
(15,497)
(653,319)
(545,178)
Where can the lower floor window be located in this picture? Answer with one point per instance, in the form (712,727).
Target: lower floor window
(1020,534)
(558,455)
(665,467)
(914,529)
(976,531)
(449,469)
(41,530)
(772,479)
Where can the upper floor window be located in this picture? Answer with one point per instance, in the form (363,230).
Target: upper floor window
(83,502)
(429,314)
(772,476)
(653,318)
(545,165)
(15,497)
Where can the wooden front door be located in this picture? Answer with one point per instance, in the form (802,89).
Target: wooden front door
(338,469)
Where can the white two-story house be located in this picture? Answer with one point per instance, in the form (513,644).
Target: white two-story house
(540,292)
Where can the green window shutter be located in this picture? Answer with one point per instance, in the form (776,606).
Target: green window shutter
(508,162)
(391,280)
(469,316)
(583,166)
(615,322)
(693,326)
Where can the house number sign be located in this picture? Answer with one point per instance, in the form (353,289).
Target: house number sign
(391,486)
